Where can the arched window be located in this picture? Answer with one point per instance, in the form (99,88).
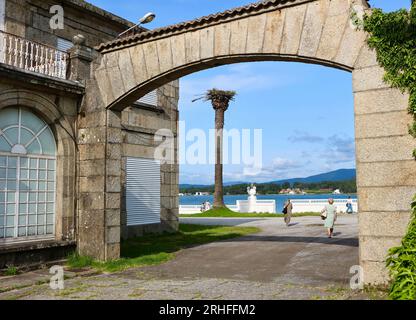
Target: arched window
(27,176)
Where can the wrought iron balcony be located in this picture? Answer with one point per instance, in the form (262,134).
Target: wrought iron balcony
(32,56)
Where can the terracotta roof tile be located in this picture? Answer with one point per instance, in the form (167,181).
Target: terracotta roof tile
(251,8)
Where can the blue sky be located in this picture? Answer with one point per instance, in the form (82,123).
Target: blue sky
(305,111)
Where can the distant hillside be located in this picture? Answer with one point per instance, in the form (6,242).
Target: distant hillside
(338,175)
(186,186)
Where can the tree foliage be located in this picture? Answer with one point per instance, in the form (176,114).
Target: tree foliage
(402,264)
(224,96)
(393,36)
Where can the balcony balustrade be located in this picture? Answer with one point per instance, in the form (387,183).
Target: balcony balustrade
(32,56)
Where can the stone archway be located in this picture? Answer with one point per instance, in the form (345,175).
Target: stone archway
(311,31)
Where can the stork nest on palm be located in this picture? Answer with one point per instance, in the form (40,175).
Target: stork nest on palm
(217,95)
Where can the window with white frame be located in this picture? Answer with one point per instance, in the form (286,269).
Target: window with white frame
(2,15)
(27,176)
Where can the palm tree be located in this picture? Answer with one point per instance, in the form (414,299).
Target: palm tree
(220,101)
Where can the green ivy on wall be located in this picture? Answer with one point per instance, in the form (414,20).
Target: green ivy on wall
(393,36)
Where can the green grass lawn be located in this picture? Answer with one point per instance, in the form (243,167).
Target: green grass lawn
(227,213)
(157,249)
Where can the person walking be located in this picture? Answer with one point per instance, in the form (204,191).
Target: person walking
(287,210)
(329,214)
(350,209)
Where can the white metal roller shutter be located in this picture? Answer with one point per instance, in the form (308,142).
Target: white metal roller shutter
(64,45)
(150,99)
(142,191)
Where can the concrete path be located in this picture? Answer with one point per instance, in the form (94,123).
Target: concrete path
(298,262)
(300,254)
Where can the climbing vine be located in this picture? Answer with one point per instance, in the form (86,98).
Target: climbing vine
(393,36)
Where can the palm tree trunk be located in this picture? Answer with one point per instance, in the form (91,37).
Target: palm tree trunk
(219,130)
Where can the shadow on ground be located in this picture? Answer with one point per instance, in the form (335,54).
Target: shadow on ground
(349,242)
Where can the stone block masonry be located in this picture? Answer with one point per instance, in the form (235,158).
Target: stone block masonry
(311,31)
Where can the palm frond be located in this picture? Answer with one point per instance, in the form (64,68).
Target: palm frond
(216,94)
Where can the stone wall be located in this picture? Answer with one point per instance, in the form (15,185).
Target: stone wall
(30,19)
(106,138)
(386,171)
(140,127)
(90,161)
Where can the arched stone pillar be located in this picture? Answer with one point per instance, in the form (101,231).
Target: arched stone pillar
(386,172)
(99,138)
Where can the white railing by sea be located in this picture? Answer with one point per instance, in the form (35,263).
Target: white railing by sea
(32,56)
(189,209)
(194,209)
(316,205)
(269,206)
(260,206)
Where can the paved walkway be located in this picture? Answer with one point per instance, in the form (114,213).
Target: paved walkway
(298,262)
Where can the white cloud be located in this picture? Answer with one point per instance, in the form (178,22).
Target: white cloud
(279,168)
(238,77)
(302,136)
(284,164)
(195,178)
(339,150)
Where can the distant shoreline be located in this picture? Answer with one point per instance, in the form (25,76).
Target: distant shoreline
(275,194)
(280,199)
